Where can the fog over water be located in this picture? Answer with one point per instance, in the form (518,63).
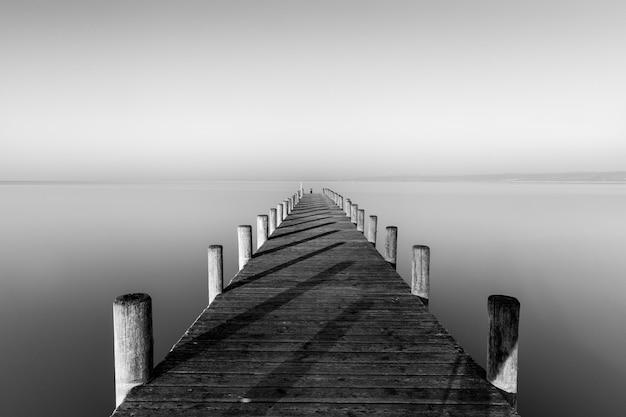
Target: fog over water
(215,89)
(66,252)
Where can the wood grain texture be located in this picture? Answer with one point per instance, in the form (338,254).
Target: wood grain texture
(317,323)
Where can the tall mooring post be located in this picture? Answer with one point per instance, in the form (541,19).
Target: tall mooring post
(420,272)
(215,271)
(133,342)
(391,246)
(503,340)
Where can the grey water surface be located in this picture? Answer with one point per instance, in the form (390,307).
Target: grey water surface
(67,250)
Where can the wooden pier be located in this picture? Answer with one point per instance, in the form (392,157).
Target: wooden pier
(316,323)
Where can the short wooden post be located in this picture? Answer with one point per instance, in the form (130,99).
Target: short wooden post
(279,214)
(360,220)
(391,245)
(244,235)
(133,342)
(371,230)
(502,353)
(285,210)
(420,272)
(272,222)
(262,230)
(341,202)
(348,207)
(216,271)
(353,214)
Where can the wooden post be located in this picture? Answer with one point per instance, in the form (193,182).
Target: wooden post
(341,202)
(371,231)
(244,234)
(391,245)
(133,342)
(502,353)
(272,225)
(261,230)
(285,210)
(216,271)
(360,220)
(420,273)
(353,215)
(348,207)
(279,214)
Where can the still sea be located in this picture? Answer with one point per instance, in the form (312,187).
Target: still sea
(67,250)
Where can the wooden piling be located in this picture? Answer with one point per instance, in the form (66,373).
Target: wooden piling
(503,340)
(285,210)
(216,271)
(244,235)
(133,342)
(348,207)
(262,230)
(353,214)
(371,230)
(420,272)
(360,220)
(279,214)
(272,222)
(391,245)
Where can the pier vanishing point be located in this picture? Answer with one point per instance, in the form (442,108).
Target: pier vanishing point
(317,323)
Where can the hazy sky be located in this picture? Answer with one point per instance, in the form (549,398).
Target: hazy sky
(309,89)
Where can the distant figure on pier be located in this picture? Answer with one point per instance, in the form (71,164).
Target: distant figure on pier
(311,190)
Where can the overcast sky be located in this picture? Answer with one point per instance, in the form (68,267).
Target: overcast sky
(309,89)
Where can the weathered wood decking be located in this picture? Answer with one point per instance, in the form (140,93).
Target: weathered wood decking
(317,323)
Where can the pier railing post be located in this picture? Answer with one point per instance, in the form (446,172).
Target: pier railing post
(279,214)
(503,340)
(216,271)
(133,342)
(391,246)
(360,220)
(348,207)
(272,222)
(353,214)
(262,230)
(371,230)
(285,210)
(244,235)
(420,272)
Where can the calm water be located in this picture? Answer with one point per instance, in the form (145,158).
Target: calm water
(66,251)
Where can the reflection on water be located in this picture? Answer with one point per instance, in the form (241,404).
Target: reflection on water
(66,252)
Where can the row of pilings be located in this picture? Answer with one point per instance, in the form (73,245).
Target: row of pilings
(132,313)
(503,310)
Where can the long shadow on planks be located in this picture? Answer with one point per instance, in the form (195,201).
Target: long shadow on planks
(297,242)
(292,224)
(190,349)
(277,268)
(275,235)
(303,359)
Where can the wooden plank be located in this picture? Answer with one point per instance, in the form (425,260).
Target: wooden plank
(375,395)
(255,409)
(316,323)
(459,367)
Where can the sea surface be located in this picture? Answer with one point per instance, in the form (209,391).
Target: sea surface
(67,250)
